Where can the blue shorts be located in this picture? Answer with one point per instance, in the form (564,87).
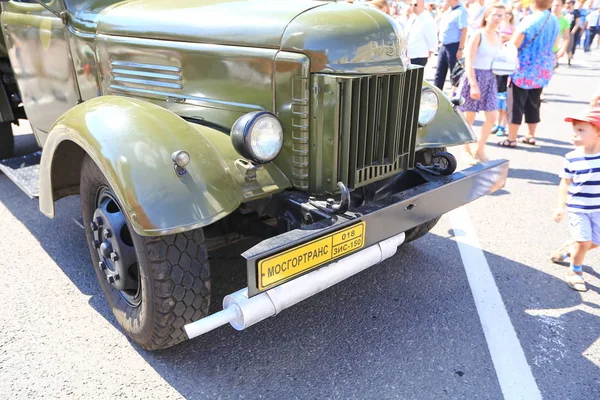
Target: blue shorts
(502,101)
(585,227)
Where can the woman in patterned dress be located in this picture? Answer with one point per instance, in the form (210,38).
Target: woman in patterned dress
(479,83)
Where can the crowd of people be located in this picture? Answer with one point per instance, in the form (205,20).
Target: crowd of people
(474,33)
(507,54)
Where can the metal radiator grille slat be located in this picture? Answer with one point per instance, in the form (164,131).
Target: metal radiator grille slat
(378,125)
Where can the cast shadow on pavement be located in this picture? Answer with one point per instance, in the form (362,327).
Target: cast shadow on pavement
(405,320)
(407,328)
(538,148)
(61,238)
(25,144)
(552,100)
(536,177)
(562,329)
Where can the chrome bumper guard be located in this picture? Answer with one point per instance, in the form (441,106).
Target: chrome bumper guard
(394,214)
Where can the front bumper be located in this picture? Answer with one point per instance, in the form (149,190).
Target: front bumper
(390,216)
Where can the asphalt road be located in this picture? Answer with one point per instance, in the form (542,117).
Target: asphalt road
(406,329)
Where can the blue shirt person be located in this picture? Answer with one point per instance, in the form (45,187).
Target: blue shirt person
(453,33)
(536,58)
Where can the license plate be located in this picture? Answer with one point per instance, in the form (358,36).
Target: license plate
(284,266)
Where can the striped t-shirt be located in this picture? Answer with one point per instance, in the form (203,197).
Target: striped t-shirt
(584,191)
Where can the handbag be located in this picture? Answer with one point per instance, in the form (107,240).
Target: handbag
(506,61)
(457,72)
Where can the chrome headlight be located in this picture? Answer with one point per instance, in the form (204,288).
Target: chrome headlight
(257,136)
(429,106)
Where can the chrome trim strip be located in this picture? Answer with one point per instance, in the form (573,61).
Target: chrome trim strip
(199,101)
(128,64)
(146,74)
(147,82)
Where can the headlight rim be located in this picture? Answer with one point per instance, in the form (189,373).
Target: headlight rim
(241,142)
(437,107)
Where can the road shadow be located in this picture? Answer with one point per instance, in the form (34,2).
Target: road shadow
(561,328)
(537,148)
(373,336)
(406,328)
(25,144)
(546,140)
(552,100)
(329,347)
(501,192)
(556,94)
(534,176)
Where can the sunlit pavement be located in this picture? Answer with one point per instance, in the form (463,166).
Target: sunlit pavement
(409,328)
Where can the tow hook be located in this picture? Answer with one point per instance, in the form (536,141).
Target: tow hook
(330,205)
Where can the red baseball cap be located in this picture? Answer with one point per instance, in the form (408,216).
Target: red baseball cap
(591,115)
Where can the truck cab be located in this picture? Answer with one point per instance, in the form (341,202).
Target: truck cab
(186,126)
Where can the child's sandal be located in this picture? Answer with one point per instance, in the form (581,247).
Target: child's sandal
(576,282)
(501,132)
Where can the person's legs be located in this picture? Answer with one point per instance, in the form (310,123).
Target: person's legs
(593,33)
(470,117)
(572,47)
(577,41)
(588,41)
(580,225)
(563,252)
(502,118)
(579,250)
(515,106)
(419,61)
(532,113)
(486,129)
(442,68)
(446,62)
(452,50)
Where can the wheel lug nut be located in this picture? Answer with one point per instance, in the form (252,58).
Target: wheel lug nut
(94,226)
(110,279)
(114,257)
(99,221)
(107,234)
(117,277)
(102,265)
(95,243)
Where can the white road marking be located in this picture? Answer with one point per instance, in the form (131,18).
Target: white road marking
(512,369)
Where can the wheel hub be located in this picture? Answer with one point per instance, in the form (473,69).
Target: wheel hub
(112,241)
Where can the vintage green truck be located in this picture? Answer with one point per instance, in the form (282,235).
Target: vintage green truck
(185,126)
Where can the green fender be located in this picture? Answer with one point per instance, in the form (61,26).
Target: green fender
(448,128)
(131,141)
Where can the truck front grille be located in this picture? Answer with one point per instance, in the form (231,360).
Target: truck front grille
(378,122)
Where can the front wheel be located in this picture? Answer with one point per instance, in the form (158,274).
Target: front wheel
(7,140)
(153,285)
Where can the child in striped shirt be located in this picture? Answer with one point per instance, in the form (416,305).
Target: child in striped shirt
(579,192)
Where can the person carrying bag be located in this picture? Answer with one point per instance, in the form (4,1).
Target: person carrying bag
(535,36)
(478,86)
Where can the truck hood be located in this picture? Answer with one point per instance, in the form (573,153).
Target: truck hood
(338,37)
(347,38)
(252,23)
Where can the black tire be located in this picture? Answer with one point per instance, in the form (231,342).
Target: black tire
(7,141)
(425,157)
(173,274)
(420,230)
